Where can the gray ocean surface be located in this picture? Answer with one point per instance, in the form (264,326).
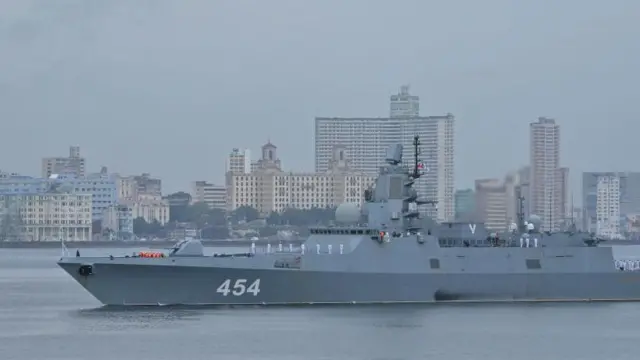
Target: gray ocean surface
(44,314)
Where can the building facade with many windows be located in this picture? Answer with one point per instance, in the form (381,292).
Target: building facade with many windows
(608,206)
(548,181)
(51,216)
(128,188)
(215,196)
(268,188)
(73,165)
(151,208)
(626,207)
(239,161)
(117,222)
(366,141)
(102,187)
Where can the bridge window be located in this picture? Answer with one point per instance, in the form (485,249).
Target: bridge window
(434,263)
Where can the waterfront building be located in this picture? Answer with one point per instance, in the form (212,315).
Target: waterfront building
(102,187)
(55,215)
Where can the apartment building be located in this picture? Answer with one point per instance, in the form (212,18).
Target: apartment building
(102,187)
(239,161)
(367,139)
(548,181)
(628,207)
(117,220)
(54,215)
(130,187)
(73,165)
(213,195)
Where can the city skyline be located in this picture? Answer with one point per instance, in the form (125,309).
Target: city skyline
(78,75)
(611,198)
(85,169)
(402,106)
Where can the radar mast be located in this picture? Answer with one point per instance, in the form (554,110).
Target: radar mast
(416,162)
(417,166)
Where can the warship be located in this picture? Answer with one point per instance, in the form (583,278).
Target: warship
(382,255)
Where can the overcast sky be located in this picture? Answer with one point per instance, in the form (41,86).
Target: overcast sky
(170,87)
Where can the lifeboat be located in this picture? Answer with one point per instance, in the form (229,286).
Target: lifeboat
(149,254)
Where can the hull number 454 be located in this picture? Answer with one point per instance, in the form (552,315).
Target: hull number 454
(239,287)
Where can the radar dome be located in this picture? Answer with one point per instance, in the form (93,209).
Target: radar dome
(65,187)
(348,213)
(535,220)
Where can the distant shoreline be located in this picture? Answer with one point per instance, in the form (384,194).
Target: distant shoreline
(132,244)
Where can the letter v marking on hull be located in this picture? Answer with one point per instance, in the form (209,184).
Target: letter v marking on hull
(472,228)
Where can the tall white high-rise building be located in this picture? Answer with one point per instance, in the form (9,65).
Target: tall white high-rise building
(239,161)
(608,206)
(367,139)
(404,104)
(548,182)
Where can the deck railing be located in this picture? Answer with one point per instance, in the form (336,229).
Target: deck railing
(302,249)
(627,264)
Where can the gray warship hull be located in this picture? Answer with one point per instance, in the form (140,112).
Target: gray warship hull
(362,274)
(385,259)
